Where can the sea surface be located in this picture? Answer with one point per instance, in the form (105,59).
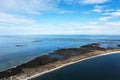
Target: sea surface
(105,67)
(19,49)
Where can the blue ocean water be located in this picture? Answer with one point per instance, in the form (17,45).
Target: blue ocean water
(18,49)
(105,67)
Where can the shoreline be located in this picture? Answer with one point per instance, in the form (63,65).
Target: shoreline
(55,60)
(68,64)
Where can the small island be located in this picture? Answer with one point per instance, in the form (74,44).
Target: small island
(54,60)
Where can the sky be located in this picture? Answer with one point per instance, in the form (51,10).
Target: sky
(84,17)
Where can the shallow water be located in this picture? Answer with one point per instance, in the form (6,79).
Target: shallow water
(105,67)
(15,50)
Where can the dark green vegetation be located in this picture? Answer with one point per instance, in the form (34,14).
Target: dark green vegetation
(52,57)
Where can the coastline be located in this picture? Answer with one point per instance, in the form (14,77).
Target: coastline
(47,63)
(68,64)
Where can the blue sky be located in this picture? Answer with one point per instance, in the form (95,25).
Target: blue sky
(60,17)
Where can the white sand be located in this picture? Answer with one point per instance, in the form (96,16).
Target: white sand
(37,75)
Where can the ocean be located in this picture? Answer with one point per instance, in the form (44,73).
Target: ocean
(19,49)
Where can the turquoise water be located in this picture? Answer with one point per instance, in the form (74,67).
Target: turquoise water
(15,50)
(100,68)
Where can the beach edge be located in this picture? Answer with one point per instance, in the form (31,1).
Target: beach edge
(68,64)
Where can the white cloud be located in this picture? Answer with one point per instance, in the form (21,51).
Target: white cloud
(110,15)
(114,14)
(70,1)
(39,6)
(28,6)
(78,28)
(104,18)
(6,30)
(32,6)
(70,28)
(109,10)
(94,1)
(113,24)
(63,11)
(98,8)
(86,2)
(92,28)
(8,18)
(94,23)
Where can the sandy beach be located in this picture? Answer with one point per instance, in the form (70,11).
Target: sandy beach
(67,64)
